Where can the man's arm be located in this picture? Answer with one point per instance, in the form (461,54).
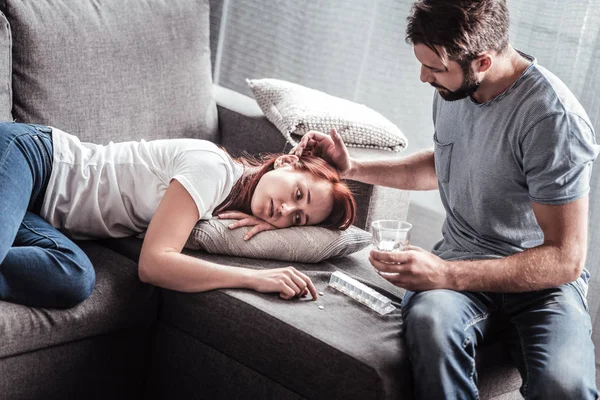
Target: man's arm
(413,172)
(560,259)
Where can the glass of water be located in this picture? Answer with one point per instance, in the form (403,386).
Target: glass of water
(391,234)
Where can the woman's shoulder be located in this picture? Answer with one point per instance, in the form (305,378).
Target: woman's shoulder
(186,147)
(205,154)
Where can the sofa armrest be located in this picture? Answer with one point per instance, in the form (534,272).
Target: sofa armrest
(244,127)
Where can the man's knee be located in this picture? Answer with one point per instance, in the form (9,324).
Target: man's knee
(432,318)
(433,308)
(561,383)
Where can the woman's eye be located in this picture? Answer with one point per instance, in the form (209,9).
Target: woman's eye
(297,219)
(298,194)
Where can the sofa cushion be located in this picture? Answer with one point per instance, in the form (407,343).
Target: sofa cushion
(104,72)
(296,110)
(119,301)
(309,244)
(344,350)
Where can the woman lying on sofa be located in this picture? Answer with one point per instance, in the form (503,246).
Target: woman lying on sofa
(49,180)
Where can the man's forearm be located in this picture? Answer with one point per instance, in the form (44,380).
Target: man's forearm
(538,268)
(413,172)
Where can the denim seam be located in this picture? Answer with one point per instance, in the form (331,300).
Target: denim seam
(526,377)
(41,234)
(581,292)
(468,340)
(13,141)
(476,320)
(469,324)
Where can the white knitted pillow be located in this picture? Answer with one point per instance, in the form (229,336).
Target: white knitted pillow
(295,110)
(309,244)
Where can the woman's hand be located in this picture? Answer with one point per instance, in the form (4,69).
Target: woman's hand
(330,147)
(247,220)
(288,281)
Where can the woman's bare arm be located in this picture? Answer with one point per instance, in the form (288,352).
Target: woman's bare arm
(162,264)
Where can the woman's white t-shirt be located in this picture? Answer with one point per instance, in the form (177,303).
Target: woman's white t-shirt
(97,191)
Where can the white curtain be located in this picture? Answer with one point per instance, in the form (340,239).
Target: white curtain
(355,49)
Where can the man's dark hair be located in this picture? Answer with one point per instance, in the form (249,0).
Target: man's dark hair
(461,29)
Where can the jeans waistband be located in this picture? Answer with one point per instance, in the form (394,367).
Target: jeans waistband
(34,142)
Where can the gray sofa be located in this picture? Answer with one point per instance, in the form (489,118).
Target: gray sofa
(122,70)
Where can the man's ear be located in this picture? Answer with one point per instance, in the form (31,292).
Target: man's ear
(483,62)
(285,159)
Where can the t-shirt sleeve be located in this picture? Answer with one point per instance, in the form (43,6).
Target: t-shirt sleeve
(206,176)
(558,153)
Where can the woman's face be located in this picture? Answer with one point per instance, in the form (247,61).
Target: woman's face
(288,197)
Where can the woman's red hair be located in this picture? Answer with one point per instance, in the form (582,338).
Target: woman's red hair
(343,212)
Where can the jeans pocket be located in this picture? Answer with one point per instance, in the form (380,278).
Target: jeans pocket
(442,157)
(580,284)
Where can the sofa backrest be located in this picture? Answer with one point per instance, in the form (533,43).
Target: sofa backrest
(110,70)
(5,71)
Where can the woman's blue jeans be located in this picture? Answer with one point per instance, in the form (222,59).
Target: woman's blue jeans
(549,338)
(39,266)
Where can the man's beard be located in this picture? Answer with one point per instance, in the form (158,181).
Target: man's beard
(469,86)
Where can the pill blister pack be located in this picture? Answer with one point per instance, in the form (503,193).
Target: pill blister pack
(361,293)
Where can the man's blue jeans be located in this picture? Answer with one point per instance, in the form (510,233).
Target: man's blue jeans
(549,337)
(39,266)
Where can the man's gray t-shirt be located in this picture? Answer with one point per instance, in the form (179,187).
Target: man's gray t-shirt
(532,143)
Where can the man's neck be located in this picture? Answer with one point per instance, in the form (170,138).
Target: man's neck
(506,70)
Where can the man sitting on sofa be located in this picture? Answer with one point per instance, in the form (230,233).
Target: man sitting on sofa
(512,161)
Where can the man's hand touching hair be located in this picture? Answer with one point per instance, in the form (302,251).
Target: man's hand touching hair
(329,147)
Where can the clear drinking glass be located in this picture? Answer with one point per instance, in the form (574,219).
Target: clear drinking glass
(391,234)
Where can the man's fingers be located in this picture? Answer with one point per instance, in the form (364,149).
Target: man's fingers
(298,149)
(337,139)
(397,257)
(315,136)
(384,266)
(396,279)
(310,142)
(305,146)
